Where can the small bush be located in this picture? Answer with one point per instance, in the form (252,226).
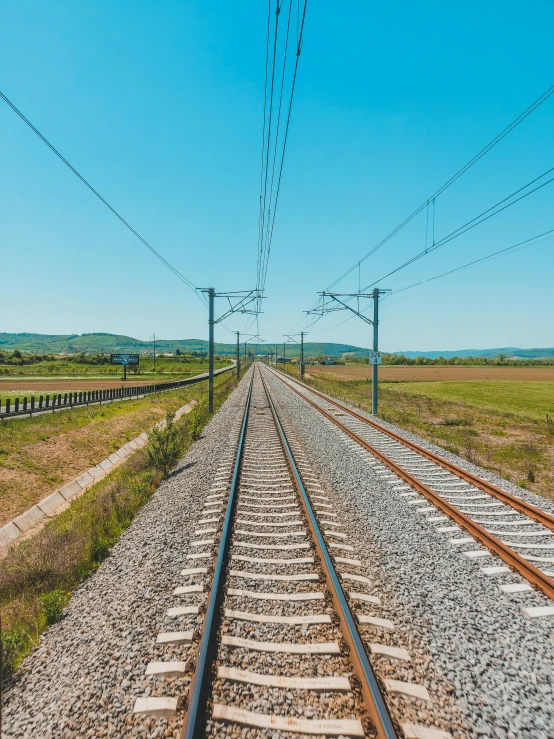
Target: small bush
(197,421)
(165,447)
(530,475)
(549,425)
(521,484)
(53,604)
(12,643)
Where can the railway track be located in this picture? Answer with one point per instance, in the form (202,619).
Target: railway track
(517,532)
(279,652)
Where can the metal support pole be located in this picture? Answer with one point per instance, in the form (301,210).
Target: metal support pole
(211,294)
(302,355)
(284,356)
(124,373)
(238,354)
(245,361)
(375,379)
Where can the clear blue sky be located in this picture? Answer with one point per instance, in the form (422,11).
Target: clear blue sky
(159,104)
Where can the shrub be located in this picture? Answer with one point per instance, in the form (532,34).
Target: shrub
(530,475)
(53,604)
(12,643)
(165,447)
(197,420)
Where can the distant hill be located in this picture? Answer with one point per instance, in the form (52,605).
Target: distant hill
(103,342)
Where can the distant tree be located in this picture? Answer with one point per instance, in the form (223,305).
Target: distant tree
(177,352)
(501,358)
(17,354)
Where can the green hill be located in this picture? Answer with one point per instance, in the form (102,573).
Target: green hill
(103,342)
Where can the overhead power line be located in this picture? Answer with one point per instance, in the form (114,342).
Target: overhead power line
(481,218)
(520,118)
(495,255)
(476,221)
(156,253)
(539,238)
(273,144)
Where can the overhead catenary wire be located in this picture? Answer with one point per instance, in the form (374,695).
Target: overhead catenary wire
(499,137)
(268,113)
(481,218)
(506,251)
(270,186)
(293,88)
(467,226)
(431,199)
(156,253)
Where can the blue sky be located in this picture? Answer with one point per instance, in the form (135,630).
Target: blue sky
(159,105)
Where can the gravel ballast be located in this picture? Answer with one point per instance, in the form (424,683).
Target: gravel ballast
(497,663)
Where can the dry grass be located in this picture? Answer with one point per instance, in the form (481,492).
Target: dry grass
(435,373)
(37,577)
(39,454)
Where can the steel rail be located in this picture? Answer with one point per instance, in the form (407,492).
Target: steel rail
(374,701)
(531,573)
(194,722)
(546,519)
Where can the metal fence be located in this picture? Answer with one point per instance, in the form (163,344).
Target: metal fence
(26,406)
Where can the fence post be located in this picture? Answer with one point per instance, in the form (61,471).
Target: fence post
(59,399)
(16,409)
(47,401)
(7,405)
(65,398)
(25,403)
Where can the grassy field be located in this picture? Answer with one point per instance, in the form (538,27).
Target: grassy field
(39,454)
(504,423)
(166,368)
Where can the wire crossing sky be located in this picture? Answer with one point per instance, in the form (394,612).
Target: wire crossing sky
(413,115)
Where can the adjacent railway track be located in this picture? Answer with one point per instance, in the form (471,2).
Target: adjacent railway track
(497,519)
(279,647)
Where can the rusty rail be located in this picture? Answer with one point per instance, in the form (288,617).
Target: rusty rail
(546,519)
(531,573)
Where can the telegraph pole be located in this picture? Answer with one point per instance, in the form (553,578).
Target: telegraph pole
(211,295)
(375,366)
(238,354)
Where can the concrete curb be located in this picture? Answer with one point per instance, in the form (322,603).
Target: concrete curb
(36,516)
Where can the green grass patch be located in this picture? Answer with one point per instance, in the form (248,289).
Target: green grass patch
(532,399)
